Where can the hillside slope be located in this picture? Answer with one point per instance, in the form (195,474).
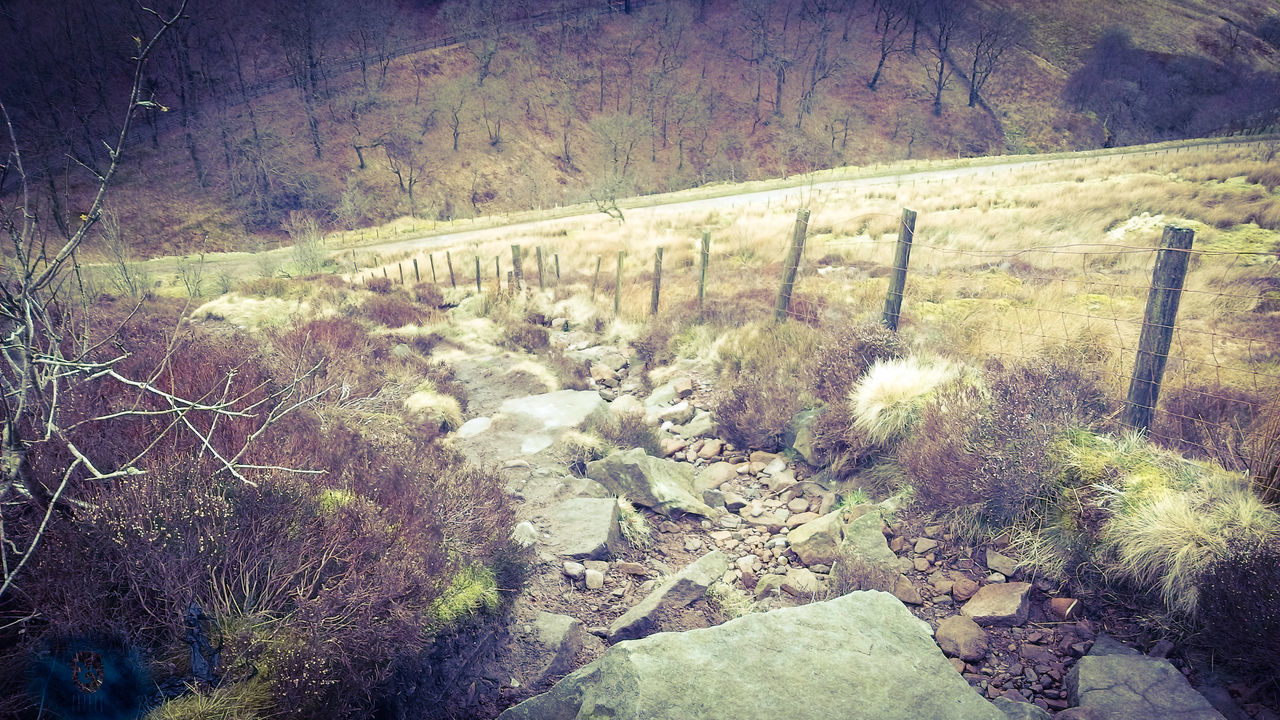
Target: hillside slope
(553,103)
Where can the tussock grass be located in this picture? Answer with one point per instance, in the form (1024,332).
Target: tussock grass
(887,401)
(633,525)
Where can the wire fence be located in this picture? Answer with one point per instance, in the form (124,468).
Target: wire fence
(1090,299)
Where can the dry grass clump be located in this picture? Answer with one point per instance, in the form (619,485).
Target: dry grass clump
(764,373)
(633,525)
(428,294)
(887,401)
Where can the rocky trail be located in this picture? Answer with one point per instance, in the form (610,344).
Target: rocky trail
(934,629)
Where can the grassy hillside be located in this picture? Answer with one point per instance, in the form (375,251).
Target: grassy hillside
(583,105)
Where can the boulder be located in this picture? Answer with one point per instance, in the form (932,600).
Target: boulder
(557,640)
(626,405)
(1002,564)
(583,528)
(958,636)
(664,486)
(1114,682)
(560,409)
(684,588)
(1005,604)
(863,539)
(861,655)
(818,541)
(714,475)
(678,414)
(800,435)
(702,425)
(801,582)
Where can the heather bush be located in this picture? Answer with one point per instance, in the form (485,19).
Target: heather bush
(1240,610)
(428,294)
(380,285)
(525,336)
(623,431)
(987,445)
(319,585)
(845,354)
(765,371)
(393,310)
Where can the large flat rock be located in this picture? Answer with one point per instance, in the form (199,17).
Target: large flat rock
(555,410)
(861,655)
(661,485)
(1115,683)
(582,528)
(686,587)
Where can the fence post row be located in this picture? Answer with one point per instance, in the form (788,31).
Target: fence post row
(791,265)
(898,281)
(1157,326)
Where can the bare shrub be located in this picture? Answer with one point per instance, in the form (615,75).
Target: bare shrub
(393,311)
(380,285)
(428,294)
(1206,421)
(1262,451)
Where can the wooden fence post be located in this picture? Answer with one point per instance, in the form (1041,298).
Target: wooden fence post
(706,259)
(400,267)
(517,266)
(1157,326)
(657,281)
(556,256)
(355,266)
(595,281)
(617,287)
(538,252)
(497,272)
(432,258)
(478,274)
(898,281)
(448,257)
(791,265)
(416,277)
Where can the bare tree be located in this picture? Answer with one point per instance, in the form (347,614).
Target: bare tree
(48,356)
(478,24)
(893,17)
(991,35)
(942,18)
